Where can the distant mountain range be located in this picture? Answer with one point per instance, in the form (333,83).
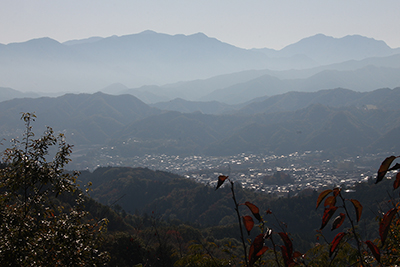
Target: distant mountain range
(9,93)
(137,59)
(236,88)
(339,121)
(159,67)
(364,79)
(326,50)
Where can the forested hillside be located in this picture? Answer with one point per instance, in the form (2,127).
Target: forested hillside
(340,121)
(84,118)
(176,199)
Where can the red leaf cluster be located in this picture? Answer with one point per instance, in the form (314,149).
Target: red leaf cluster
(335,242)
(328,213)
(322,195)
(257,248)
(384,225)
(374,249)
(287,250)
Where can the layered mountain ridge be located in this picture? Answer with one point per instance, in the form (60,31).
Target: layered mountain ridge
(336,120)
(161,60)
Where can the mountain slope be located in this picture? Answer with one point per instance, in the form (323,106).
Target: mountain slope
(84,118)
(328,50)
(340,121)
(291,101)
(9,93)
(181,105)
(364,79)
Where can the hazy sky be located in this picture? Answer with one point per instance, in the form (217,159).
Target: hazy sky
(244,23)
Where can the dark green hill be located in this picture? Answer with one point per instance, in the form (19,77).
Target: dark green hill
(173,198)
(316,127)
(83,118)
(184,106)
(381,98)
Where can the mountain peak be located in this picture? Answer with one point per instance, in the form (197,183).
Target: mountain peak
(328,50)
(199,34)
(83,41)
(42,40)
(148,32)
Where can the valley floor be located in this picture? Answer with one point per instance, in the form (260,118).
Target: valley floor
(310,170)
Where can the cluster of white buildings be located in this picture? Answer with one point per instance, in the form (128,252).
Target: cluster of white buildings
(308,170)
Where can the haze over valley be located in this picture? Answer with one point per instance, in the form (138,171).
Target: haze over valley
(194,97)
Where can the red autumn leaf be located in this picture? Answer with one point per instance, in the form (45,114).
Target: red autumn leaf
(396,183)
(288,243)
(255,248)
(322,195)
(254,209)
(248,223)
(286,257)
(357,205)
(395,167)
(336,242)
(264,248)
(336,191)
(384,168)
(328,213)
(268,211)
(221,180)
(297,254)
(257,255)
(374,249)
(338,221)
(384,225)
(330,201)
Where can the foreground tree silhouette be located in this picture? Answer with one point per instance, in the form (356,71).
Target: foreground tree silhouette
(35,228)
